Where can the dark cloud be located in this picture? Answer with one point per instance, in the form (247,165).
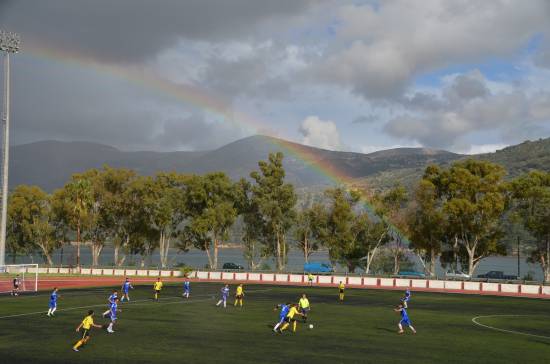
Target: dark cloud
(133,30)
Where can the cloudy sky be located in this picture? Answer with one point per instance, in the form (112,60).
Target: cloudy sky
(467,76)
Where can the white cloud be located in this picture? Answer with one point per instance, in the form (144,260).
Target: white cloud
(484,148)
(319,133)
(470,104)
(383,47)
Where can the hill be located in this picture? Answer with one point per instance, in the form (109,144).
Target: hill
(49,164)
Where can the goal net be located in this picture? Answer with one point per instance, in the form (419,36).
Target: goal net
(25,274)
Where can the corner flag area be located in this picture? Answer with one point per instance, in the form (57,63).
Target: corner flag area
(452,328)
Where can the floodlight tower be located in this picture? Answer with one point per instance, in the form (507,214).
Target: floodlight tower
(9,43)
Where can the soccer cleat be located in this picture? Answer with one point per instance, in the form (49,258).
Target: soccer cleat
(400,332)
(75,349)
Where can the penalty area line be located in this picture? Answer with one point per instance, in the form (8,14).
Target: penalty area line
(475,321)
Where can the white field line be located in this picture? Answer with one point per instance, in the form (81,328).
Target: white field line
(475,321)
(132,303)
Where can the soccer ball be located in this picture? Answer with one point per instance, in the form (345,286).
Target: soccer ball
(311,326)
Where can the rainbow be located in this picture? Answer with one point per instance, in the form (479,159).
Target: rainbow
(194,96)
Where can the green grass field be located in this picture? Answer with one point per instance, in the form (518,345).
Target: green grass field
(361,330)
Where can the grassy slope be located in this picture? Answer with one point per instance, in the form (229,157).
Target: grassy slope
(360,331)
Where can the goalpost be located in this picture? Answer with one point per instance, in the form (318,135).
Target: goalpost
(27,273)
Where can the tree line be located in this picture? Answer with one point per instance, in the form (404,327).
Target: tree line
(457,215)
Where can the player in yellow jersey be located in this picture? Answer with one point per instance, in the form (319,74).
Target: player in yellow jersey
(341,288)
(86,324)
(290,318)
(304,306)
(239,294)
(157,287)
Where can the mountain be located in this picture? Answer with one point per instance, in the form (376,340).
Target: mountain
(49,164)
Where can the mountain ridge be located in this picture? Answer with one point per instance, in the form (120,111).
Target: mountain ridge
(49,164)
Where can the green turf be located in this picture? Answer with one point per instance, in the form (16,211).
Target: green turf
(361,330)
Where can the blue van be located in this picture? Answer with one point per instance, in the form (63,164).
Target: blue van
(318,268)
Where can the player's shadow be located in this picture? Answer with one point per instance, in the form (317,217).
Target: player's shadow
(385,329)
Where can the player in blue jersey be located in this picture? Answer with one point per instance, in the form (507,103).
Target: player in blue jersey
(186,288)
(284,308)
(112,315)
(406,298)
(112,299)
(126,286)
(53,302)
(404,319)
(225,294)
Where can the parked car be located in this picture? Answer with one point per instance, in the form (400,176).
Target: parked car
(232,266)
(496,274)
(318,268)
(411,274)
(457,275)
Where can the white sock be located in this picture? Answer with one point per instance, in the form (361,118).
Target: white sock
(277,326)
(49,311)
(53,310)
(110,328)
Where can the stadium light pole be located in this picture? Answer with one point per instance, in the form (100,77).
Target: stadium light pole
(9,43)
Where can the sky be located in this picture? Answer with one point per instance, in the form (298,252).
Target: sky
(460,75)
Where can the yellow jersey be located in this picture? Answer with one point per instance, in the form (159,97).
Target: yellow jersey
(293,311)
(341,286)
(157,286)
(87,322)
(239,291)
(304,303)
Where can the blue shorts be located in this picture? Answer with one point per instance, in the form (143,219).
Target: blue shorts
(405,322)
(186,290)
(112,317)
(52,304)
(282,319)
(125,292)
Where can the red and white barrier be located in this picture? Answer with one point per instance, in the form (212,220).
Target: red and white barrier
(427,285)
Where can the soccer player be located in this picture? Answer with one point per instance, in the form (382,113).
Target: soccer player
(16,284)
(304,306)
(157,286)
(310,278)
(53,302)
(111,299)
(290,318)
(406,298)
(404,319)
(285,307)
(86,324)
(225,293)
(126,286)
(112,315)
(239,294)
(186,288)
(341,288)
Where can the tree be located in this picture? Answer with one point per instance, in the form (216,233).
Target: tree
(119,209)
(426,225)
(275,201)
(391,206)
(308,222)
(72,206)
(255,249)
(161,209)
(211,209)
(531,193)
(351,235)
(472,196)
(29,215)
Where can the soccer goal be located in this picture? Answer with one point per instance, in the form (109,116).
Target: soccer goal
(25,274)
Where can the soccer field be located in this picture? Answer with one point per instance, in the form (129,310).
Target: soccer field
(360,330)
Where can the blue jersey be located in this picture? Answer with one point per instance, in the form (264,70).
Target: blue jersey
(225,292)
(112,298)
(186,286)
(284,311)
(53,299)
(126,286)
(112,312)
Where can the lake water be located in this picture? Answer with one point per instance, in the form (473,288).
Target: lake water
(198,259)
